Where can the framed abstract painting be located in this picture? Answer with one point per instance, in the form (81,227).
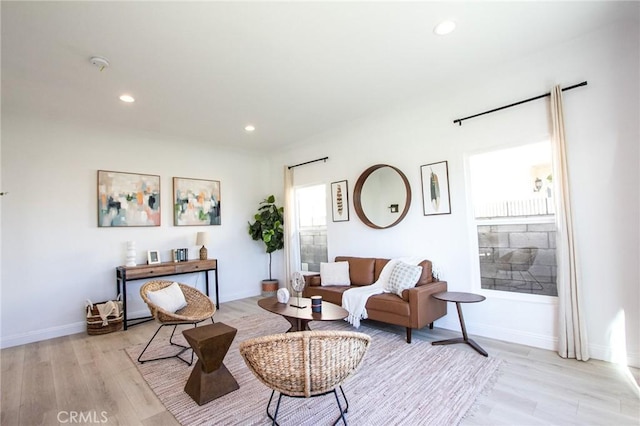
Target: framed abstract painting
(435,188)
(128,199)
(196,202)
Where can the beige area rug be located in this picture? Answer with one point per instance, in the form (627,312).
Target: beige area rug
(397,383)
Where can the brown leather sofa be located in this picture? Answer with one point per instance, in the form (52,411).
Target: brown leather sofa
(415,309)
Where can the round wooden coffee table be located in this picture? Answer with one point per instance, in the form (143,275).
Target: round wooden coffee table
(458,298)
(301,317)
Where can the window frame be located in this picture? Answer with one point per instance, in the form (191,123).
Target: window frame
(473,223)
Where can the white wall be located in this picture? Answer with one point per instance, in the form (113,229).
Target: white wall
(55,256)
(602,130)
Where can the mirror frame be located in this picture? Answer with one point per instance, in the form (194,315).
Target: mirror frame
(357,193)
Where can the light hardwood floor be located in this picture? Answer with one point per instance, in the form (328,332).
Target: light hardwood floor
(45,383)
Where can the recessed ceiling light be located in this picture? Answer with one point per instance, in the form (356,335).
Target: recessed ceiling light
(127,98)
(444,27)
(249,127)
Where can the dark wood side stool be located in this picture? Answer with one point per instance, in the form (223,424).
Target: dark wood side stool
(209,378)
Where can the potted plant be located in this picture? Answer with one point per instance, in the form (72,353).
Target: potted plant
(268,228)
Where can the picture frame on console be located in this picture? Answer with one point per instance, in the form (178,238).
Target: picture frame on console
(435,188)
(340,201)
(196,202)
(153,257)
(128,199)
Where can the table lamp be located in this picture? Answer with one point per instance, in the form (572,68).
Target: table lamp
(202,238)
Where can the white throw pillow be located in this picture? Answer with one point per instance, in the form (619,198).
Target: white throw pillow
(402,277)
(335,273)
(169,298)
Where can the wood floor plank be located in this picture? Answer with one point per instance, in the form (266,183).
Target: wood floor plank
(12,361)
(38,404)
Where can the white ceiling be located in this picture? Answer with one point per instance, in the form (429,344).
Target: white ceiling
(203,70)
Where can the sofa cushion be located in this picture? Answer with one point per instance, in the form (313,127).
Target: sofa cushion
(331,294)
(336,273)
(427,274)
(403,276)
(388,303)
(360,269)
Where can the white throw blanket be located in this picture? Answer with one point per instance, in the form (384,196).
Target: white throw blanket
(355,299)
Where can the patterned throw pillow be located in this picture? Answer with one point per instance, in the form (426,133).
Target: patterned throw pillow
(402,277)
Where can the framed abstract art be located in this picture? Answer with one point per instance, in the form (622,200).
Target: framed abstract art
(128,199)
(196,202)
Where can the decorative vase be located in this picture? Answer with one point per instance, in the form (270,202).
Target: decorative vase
(283,295)
(203,253)
(131,253)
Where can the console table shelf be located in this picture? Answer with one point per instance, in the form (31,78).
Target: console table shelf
(141,272)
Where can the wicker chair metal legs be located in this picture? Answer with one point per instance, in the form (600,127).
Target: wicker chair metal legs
(198,308)
(335,393)
(184,348)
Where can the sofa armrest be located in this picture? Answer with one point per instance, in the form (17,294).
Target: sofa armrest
(423,308)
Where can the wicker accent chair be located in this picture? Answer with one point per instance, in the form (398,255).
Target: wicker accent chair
(306,363)
(199,308)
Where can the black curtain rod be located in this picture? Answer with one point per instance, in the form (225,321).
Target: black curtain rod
(309,162)
(460,120)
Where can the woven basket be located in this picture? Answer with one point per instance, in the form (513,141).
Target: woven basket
(95,324)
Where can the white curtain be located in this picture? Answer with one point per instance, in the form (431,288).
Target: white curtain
(572,337)
(291,246)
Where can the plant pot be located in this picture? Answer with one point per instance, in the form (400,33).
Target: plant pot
(269,288)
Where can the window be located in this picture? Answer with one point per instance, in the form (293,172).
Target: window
(311,205)
(512,195)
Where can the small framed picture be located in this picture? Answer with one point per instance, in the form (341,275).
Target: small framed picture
(153,256)
(340,201)
(435,188)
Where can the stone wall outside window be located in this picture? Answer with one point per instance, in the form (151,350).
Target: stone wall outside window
(518,258)
(313,248)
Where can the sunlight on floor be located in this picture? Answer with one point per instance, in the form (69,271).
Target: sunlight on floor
(618,344)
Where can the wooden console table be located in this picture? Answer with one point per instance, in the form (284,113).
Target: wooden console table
(141,272)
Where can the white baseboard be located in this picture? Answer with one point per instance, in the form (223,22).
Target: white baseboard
(600,352)
(505,334)
(43,334)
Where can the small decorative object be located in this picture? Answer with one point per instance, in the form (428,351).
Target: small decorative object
(316,304)
(153,256)
(202,238)
(181,254)
(196,202)
(131,253)
(435,188)
(297,283)
(340,201)
(128,199)
(283,295)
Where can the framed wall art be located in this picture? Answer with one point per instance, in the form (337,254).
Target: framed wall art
(340,201)
(128,199)
(435,188)
(196,202)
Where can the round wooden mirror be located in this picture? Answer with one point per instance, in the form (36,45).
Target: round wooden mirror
(382,196)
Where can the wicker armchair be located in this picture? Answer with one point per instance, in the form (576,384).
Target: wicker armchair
(305,364)
(199,308)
